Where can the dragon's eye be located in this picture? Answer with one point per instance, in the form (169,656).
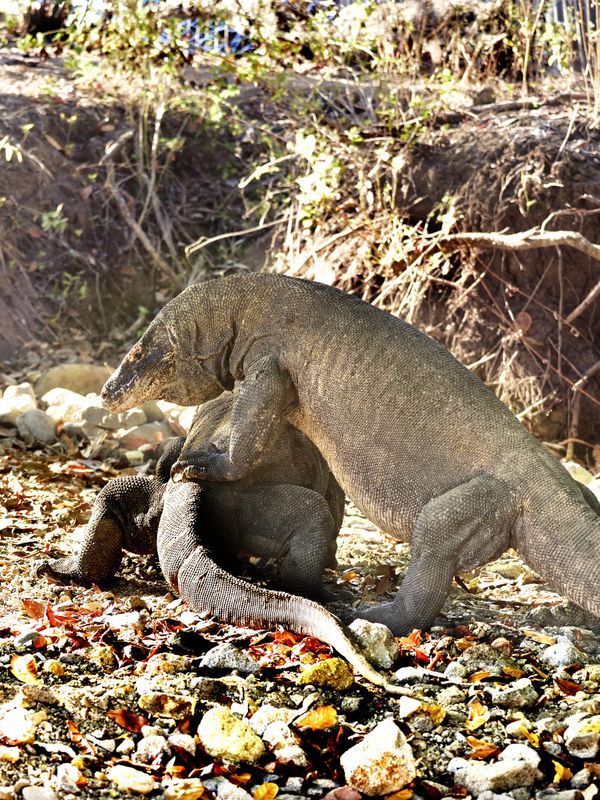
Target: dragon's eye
(136,354)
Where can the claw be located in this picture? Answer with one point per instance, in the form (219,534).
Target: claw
(185,473)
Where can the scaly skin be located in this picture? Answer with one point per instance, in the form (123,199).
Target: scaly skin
(289,508)
(417,441)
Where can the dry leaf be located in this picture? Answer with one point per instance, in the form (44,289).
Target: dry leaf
(523,322)
(52,141)
(561,773)
(319,718)
(479,676)
(478,716)
(78,739)
(34,608)
(532,738)
(568,687)
(403,794)
(481,748)
(514,672)
(266,791)
(128,720)
(24,668)
(539,637)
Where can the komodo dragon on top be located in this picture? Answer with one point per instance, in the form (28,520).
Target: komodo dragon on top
(417,441)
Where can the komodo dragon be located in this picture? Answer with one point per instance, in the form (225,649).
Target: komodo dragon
(289,507)
(417,441)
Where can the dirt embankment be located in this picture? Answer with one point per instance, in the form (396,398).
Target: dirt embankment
(100,198)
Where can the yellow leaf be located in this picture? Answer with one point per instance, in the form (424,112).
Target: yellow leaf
(319,718)
(481,748)
(514,672)
(478,716)
(403,794)
(479,676)
(24,668)
(437,713)
(266,791)
(539,637)
(561,773)
(532,738)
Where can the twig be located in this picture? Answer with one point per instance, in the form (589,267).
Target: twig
(578,390)
(138,232)
(203,242)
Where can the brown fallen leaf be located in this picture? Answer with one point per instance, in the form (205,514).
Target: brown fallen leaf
(514,672)
(319,718)
(79,739)
(479,676)
(24,668)
(403,794)
(481,748)
(128,719)
(568,687)
(34,608)
(542,638)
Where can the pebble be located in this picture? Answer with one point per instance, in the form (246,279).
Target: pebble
(484,657)
(7,793)
(223,735)
(518,694)
(229,791)
(166,705)
(38,793)
(284,745)
(582,778)
(127,779)
(183,741)
(167,664)
(9,754)
(376,641)
(36,426)
(267,714)
(516,766)
(186,417)
(132,418)
(149,748)
(11,407)
(562,794)
(81,378)
(185,789)
(382,763)
(19,725)
(227,656)
(563,654)
(334,673)
(582,737)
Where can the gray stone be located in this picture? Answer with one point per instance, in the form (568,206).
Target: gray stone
(149,434)
(267,714)
(128,779)
(382,763)
(517,766)
(284,745)
(518,694)
(563,654)
(183,741)
(36,426)
(484,657)
(562,794)
(229,791)
(376,641)
(582,737)
(186,417)
(228,657)
(582,778)
(132,418)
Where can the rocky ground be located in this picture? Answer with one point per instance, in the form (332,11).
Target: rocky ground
(122,690)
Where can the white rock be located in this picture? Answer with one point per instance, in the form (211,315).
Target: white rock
(152,412)
(70,407)
(151,433)
(186,417)
(563,654)
(377,642)
(517,766)
(183,741)
(127,779)
(170,410)
(149,748)
(267,714)
(229,791)
(132,418)
(80,378)
(594,486)
(382,763)
(36,426)
(284,745)
(11,408)
(185,789)
(19,725)
(38,793)
(223,735)
(19,390)
(582,738)
(520,752)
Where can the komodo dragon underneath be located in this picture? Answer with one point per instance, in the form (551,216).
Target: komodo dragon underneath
(289,507)
(417,441)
